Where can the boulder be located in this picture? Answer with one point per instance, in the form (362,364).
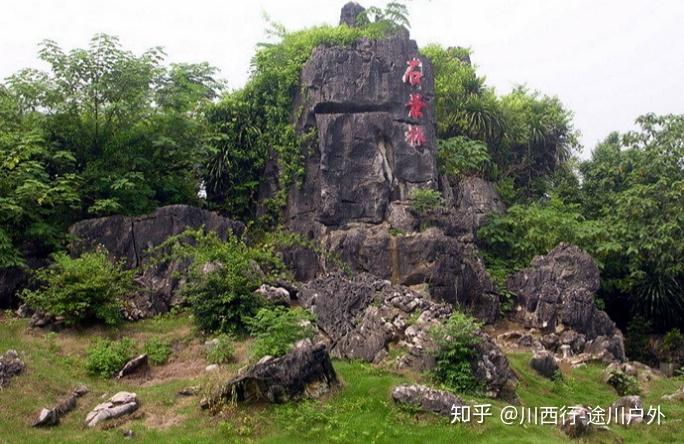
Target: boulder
(10,366)
(491,368)
(576,422)
(50,416)
(123,403)
(274,295)
(130,239)
(544,363)
(138,365)
(426,399)
(556,292)
(627,410)
(306,371)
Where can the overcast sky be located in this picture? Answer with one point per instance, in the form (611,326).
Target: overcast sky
(608,60)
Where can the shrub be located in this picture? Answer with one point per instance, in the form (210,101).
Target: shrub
(222,278)
(455,340)
(157,350)
(460,156)
(277,329)
(222,350)
(106,357)
(89,288)
(424,201)
(624,384)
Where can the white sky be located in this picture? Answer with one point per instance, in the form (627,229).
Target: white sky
(608,60)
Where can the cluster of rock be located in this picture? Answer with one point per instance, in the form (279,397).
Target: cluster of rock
(10,366)
(304,372)
(123,403)
(132,239)
(555,296)
(362,316)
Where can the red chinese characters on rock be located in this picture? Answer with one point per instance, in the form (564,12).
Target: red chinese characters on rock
(416,104)
(415,135)
(414,72)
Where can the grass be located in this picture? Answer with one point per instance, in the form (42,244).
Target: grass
(361,411)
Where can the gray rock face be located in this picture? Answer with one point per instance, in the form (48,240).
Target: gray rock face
(123,403)
(479,198)
(306,371)
(48,417)
(453,270)
(10,366)
(426,399)
(544,363)
(361,161)
(349,13)
(556,292)
(131,238)
(363,316)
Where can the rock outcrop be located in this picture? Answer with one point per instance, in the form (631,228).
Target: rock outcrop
(123,403)
(426,399)
(544,363)
(10,366)
(366,103)
(304,372)
(130,239)
(556,295)
(364,317)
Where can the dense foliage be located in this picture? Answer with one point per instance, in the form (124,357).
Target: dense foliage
(158,350)
(222,278)
(276,329)
(525,135)
(105,357)
(86,289)
(626,211)
(455,340)
(104,131)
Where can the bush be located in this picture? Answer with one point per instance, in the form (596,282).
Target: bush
(460,156)
(157,350)
(106,357)
(222,277)
(455,341)
(424,201)
(89,288)
(624,384)
(222,350)
(277,329)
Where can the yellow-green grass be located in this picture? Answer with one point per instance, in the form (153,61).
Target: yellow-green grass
(361,411)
